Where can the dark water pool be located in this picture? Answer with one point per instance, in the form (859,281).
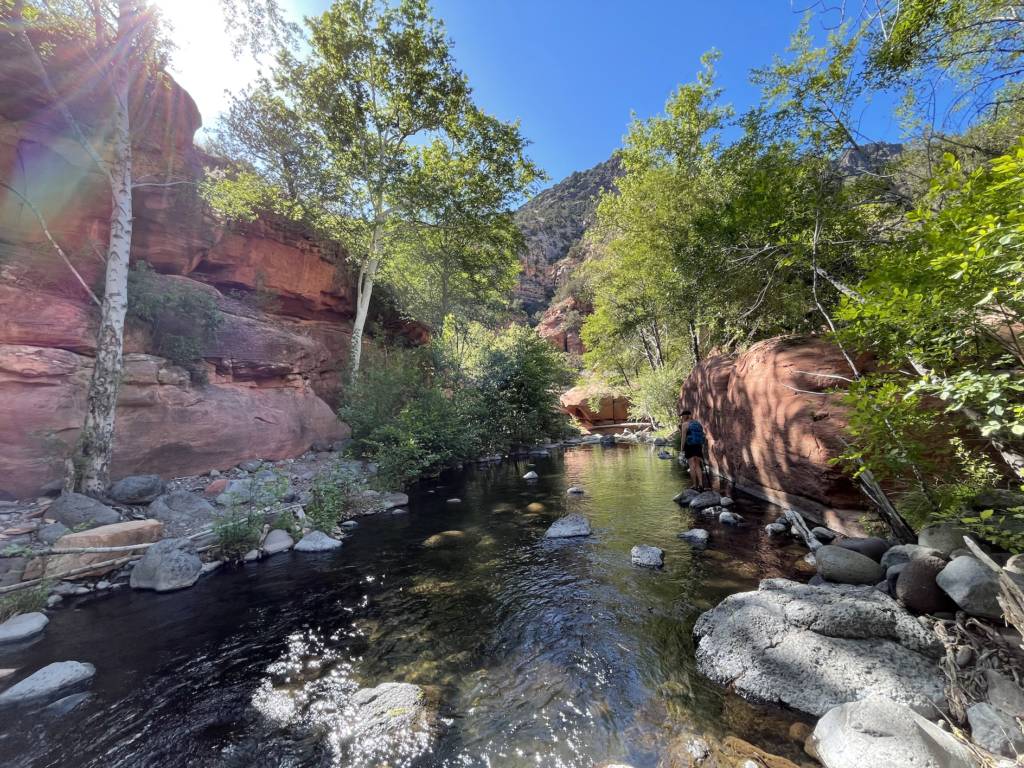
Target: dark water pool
(544,653)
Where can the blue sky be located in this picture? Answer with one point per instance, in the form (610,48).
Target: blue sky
(571,70)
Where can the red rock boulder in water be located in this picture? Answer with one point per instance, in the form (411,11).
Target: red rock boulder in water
(594,406)
(774,423)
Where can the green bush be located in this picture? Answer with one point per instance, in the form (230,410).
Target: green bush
(181,320)
(238,532)
(334,493)
(25,600)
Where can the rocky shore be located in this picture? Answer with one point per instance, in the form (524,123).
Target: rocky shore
(903,651)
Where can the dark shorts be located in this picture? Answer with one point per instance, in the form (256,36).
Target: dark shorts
(690,451)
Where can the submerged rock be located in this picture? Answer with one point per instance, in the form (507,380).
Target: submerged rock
(698,537)
(880,732)
(445,539)
(392,724)
(22,627)
(136,489)
(569,527)
(647,556)
(49,683)
(317,541)
(813,648)
(705,500)
(725,517)
(167,565)
(685,496)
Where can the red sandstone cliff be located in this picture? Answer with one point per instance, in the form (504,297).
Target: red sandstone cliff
(771,437)
(274,369)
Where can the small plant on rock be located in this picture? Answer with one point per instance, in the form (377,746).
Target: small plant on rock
(24,601)
(335,492)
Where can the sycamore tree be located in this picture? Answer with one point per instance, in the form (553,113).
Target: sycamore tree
(456,248)
(125,42)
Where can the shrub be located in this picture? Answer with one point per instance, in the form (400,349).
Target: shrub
(334,493)
(180,319)
(238,532)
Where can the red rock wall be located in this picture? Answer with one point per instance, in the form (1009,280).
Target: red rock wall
(769,438)
(275,365)
(555,325)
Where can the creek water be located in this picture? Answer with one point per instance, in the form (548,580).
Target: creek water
(542,652)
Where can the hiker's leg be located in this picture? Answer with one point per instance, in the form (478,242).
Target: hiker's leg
(696,476)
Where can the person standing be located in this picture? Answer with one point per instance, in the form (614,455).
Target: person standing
(694,447)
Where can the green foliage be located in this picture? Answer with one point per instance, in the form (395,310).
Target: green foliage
(335,495)
(26,600)
(182,320)
(654,396)
(238,531)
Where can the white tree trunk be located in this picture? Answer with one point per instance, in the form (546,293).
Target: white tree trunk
(96,442)
(364,291)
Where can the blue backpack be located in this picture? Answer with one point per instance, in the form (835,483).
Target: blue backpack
(694,433)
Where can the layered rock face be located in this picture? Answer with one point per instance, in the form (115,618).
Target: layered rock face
(286,300)
(561,323)
(594,407)
(774,423)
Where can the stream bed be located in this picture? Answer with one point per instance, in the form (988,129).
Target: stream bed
(542,652)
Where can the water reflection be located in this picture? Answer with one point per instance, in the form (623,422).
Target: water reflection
(541,652)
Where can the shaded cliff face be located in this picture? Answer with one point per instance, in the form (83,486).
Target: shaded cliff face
(274,367)
(554,224)
(772,440)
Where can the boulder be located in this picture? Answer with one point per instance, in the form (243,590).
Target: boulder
(916,586)
(277,541)
(725,517)
(880,732)
(568,527)
(945,537)
(995,730)
(698,537)
(872,547)
(904,553)
(263,489)
(77,511)
(845,566)
(52,682)
(1004,694)
(685,496)
(705,500)
(317,541)
(824,535)
(972,586)
(167,565)
(22,627)
(813,648)
(182,512)
(531,475)
(647,556)
(116,535)
(392,500)
(136,489)
(392,724)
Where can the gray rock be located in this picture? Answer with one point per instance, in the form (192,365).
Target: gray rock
(210,567)
(349,525)
(892,574)
(773,529)
(167,565)
(813,648)
(574,490)
(251,465)
(182,512)
(845,566)
(705,500)
(726,502)
(872,547)
(962,552)
(49,533)
(685,496)
(136,489)
(904,553)
(998,498)
(454,500)
(320,446)
(916,586)
(77,511)
(725,517)
(972,586)
(317,541)
(944,537)
(531,475)
(251,556)
(277,541)
(647,556)
(61,707)
(51,682)
(568,527)
(262,489)
(698,537)
(392,724)
(53,601)
(878,732)
(824,535)
(393,500)
(994,730)
(22,627)
(1004,694)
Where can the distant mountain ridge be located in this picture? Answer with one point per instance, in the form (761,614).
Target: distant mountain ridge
(553,223)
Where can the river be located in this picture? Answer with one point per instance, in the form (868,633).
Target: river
(544,652)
